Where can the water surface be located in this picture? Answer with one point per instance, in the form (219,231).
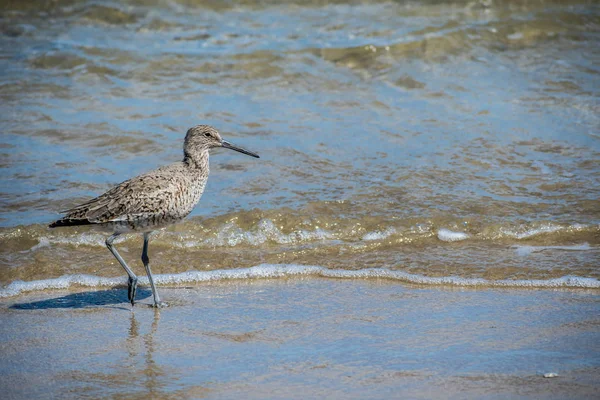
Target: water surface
(427,140)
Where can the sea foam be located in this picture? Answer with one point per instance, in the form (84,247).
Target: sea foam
(272,271)
(530,232)
(526,250)
(232,235)
(379,235)
(447,235)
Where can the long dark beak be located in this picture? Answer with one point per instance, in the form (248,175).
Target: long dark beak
(228,145)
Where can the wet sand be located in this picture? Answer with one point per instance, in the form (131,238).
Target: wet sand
(302,338)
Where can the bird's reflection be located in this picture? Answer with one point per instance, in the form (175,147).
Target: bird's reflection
(142,346)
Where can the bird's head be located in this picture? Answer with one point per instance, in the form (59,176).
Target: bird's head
(201,138)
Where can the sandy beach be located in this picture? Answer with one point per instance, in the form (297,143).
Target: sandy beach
(302,338)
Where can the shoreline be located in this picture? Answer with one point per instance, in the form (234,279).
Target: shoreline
(296,271)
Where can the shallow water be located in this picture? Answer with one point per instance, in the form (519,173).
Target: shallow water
(430,141)
(302,338)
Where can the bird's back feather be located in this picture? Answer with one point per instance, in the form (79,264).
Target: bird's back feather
(164,195)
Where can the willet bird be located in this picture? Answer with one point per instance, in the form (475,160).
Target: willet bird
(153,200)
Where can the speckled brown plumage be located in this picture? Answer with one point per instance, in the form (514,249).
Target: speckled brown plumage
(147,202)
(153,200)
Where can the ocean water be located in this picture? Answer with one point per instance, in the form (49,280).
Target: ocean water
(437,143)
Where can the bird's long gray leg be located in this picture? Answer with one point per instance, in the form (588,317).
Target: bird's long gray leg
(132,282)
(146,262)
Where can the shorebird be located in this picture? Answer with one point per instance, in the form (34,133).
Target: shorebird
(152,201)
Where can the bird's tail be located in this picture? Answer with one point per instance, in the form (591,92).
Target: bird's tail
(69,222)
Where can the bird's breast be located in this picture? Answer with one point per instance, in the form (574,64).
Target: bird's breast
(187,196)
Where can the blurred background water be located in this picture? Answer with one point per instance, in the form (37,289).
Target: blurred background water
(438,139)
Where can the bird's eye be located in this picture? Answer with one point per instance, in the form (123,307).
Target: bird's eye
(207,134)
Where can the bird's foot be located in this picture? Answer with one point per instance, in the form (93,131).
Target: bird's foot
(159,304)
(131,288)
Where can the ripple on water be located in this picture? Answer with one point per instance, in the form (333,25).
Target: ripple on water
(428,138)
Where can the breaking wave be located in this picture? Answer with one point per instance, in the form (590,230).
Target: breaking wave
(266,230)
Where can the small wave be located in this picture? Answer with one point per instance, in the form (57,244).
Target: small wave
(266,231)
(271,271)
(232,235)
(378,235)
(83,239)
(64,282)
(526,250)
(527,232)
(447,235)
(43,242)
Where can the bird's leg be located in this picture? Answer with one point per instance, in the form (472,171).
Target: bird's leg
(146,261)
(132,282)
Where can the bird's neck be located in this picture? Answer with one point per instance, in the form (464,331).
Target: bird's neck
(197,161)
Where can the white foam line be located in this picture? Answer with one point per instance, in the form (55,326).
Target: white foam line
(269,271)
(63,282)
(526,250)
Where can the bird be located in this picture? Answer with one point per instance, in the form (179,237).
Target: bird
(151,201)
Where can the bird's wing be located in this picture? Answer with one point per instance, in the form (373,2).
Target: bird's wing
(138,196)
